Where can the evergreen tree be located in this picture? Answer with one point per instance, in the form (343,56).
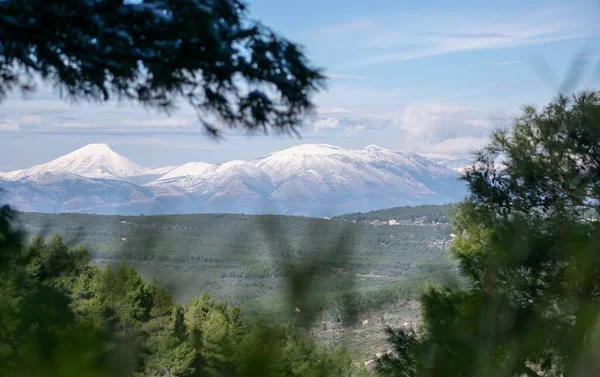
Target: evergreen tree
(39,333)
(530,252)
(61,316)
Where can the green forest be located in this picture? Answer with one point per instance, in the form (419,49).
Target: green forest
(425,214)
(62,316)
(356,271)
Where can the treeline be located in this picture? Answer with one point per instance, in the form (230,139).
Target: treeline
(61,316)
(239,240)
(426,214)
(247,260)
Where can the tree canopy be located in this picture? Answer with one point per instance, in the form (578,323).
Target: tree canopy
(529,244)
(234,71)
(61,316)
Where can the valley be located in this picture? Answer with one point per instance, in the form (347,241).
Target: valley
(351,272)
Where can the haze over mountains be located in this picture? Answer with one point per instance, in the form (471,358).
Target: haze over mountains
(310,179)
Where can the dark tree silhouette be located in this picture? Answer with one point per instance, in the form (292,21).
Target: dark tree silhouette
(232,70)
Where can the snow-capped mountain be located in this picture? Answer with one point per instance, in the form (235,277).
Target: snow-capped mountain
(310,179)
(185,170)
(324,179)
(65,192)
(457,164)
(162,171)
(91,161)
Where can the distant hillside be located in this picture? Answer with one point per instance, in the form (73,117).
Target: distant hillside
(247,260)
(242,258)
(425,214)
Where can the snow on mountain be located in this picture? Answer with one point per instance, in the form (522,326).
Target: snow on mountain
(163,170)
(327,179)
(304,159)
(11,175)
(457,164)
(189,169)
(320,179)
(67,192)
(310,179)
(233,186)
(91,161)
(418,169)
(401,160)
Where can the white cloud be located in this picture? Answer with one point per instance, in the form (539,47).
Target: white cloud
(441,128)
(31,119)
(431,121)
(11,125)
(507,62)
(414,35)
(446,129)
(345,76)
(333,110)
(460,146)
(437,122)
(17,104)
(169,122)
(327,123)
(8,125)
(347,121)
(63,123)
(351,131)
(199,143)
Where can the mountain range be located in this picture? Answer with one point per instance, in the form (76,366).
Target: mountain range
(309,179)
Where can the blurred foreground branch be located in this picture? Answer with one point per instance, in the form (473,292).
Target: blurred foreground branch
(231,69)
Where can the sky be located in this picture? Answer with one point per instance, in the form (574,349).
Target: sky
(431,77)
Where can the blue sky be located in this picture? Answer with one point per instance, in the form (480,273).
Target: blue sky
(424,76)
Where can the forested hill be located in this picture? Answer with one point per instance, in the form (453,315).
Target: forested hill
(247,260)
(425,214)
(177,238)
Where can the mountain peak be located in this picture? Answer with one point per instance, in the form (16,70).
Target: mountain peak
(188,169)
(375,147)
(311,149)
(96,160)
(95,147)
(305,179)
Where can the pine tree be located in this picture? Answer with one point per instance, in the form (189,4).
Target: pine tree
(531,255)
(62,316)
